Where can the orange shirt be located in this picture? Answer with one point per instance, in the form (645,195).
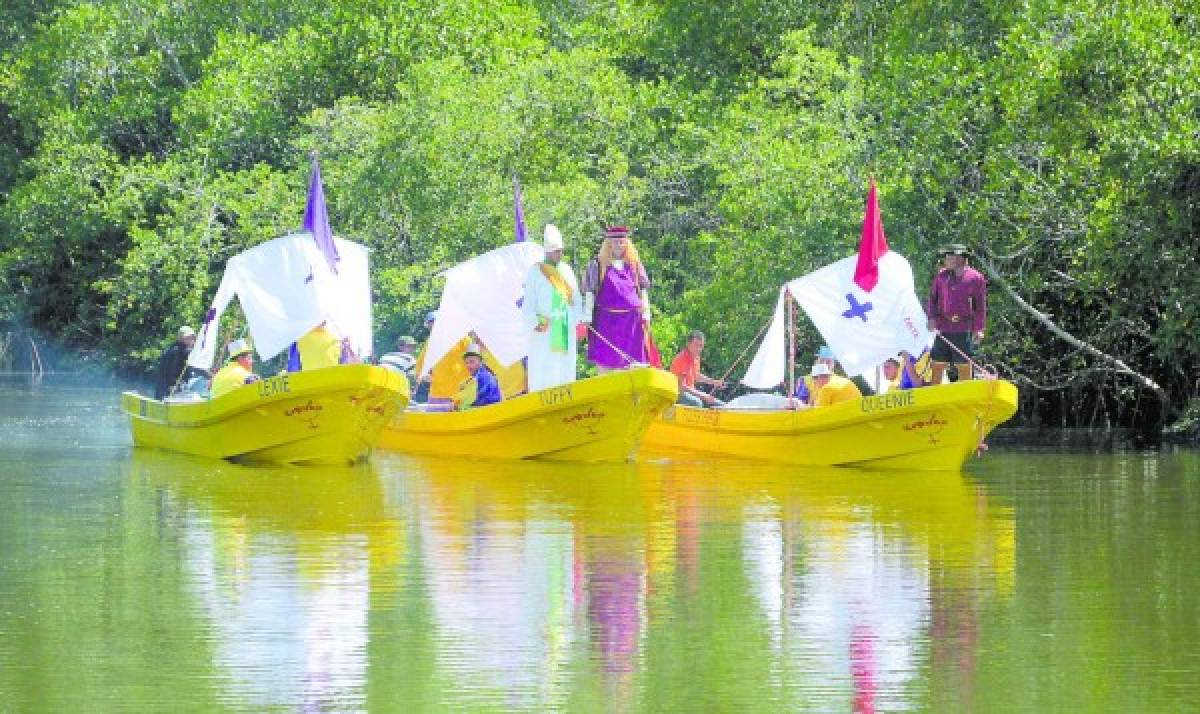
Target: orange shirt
(686,367)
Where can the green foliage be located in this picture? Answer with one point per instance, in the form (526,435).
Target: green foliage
(1060,139)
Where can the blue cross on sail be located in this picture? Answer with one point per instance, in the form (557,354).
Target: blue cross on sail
(857,310)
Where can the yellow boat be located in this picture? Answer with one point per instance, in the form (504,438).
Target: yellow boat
(931,428)
(598,419)
(323,416)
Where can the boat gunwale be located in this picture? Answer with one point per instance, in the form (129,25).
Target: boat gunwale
(774,423)
(206,412)
(530,405)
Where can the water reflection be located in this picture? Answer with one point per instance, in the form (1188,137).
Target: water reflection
(457,584)
(282,562)
(145,581)
(851,582)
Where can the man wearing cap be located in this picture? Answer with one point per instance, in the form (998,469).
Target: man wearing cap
(832,388)
(403,359)
(173,368)
(550,311)
(616,303)
(482,388)
(238,371)
(957,311)
(446,376)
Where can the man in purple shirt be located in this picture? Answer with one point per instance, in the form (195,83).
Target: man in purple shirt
(957,310)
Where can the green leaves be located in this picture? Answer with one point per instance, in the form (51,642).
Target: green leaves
(152,139)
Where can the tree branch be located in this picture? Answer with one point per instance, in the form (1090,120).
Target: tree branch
(1118,366)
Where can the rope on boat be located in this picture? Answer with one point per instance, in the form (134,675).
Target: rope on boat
(616,349)
(988,373)
(990,376)
(746,349)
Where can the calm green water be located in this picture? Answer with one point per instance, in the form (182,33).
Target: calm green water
(143,581)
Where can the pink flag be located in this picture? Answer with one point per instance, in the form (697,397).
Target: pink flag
(872,246)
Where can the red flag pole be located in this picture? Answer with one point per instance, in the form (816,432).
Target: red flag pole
(652,353)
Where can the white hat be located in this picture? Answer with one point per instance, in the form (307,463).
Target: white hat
(238,348)
(551,238)
(821,369)
(186,331)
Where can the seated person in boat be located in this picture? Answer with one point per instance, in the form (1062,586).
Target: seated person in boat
(449,373)
(686,367)
(173,369)
(805,390)
(320,347)
(237,372)
(832,388)
(904,372)
(404,359)
(482,388)
(891,376)
(915,369)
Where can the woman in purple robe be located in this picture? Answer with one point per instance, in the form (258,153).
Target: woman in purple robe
(616,301)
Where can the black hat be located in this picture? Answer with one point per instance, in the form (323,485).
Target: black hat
(953,249)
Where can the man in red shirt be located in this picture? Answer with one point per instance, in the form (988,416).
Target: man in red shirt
(686,366)
(957,310)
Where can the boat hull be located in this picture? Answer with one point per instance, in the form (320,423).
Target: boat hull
(598,419)
(932,428)
(324,416)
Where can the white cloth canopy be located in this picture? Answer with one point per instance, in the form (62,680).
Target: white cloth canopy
(286,288)
(862,328)
(481,296)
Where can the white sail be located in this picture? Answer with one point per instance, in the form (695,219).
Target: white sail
(481,296)
(862,328)
(285,288)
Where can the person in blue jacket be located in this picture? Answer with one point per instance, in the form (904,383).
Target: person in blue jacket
(482,388)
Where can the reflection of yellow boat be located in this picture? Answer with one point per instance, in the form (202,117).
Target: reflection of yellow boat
(933,428)
(942,516)
(598,419)
(344,500)
(323,416)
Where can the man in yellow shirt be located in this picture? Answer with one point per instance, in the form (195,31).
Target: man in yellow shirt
(237,372)
(320,347)
(831,388)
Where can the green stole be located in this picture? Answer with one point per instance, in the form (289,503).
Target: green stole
(560,299)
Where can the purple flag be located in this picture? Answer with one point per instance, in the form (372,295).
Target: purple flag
(316,218)
(518,212)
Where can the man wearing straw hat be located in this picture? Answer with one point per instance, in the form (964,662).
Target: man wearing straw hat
(237,372)
(957,311)
(550,311)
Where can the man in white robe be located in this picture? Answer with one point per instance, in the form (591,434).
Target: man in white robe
(551,309)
